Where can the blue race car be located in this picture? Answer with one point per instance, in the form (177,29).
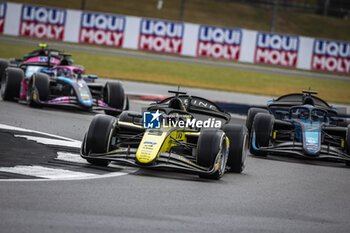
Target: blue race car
(302,125)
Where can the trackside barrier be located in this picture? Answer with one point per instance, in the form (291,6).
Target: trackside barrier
(174,37)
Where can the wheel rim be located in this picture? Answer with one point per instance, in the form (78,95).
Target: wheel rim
(3,85)
(223,160)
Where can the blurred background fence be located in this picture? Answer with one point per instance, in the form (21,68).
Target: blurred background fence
(313,18)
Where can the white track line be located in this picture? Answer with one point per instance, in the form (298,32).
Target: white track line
(45,172)
(13,128)
(50,141)
(52,174)
(70,157)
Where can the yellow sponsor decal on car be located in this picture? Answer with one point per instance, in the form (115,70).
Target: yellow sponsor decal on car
(150,146)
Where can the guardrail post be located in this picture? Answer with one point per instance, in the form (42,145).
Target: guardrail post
(274,15)
(182,10)
(83,4)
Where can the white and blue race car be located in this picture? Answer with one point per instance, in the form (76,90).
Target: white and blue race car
(302,125)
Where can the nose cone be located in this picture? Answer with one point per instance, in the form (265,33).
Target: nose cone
(150,146)
(312,138)
(86,100)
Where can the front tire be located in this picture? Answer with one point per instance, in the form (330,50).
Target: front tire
(114,96)
(239,140)
(251,115)
(212,142)
(262,131)
(38,89)
(98,138)
(11,84)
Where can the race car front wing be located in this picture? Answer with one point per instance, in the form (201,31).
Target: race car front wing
(165,160)
(327,152)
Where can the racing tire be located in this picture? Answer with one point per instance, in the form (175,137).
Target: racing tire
(250,117)
(238,136)
(262,128)
(11,83)
(38,89)
(347,144)
(114,96)
(3,65)
(209,143)
(98,138)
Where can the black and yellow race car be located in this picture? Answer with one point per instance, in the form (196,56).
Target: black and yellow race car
(181,133)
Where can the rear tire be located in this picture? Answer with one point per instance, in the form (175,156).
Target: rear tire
(238,150)
(3,65)
(114,96)
(262,128)
(209,143)
(11,84)
(38,89)
(98,138)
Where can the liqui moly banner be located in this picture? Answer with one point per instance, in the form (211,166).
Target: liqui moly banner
(331,56)
(42,22)
(219,43)
(3,8)
(276,49)
(161,36)
(173,37)
(102,29)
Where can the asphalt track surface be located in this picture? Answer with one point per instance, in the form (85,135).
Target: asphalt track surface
(271,195)
(159,57)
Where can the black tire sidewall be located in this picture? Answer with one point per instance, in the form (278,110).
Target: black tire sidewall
(250,117)
(11,85)
(114,96)
(238,137)
(208,147)
(99,133)
(3,66)
(40,85)
(262,127)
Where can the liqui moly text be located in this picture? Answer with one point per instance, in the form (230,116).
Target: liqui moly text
(102,29)
(42,22)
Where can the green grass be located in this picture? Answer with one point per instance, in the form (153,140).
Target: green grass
(200,76)
(219,13)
